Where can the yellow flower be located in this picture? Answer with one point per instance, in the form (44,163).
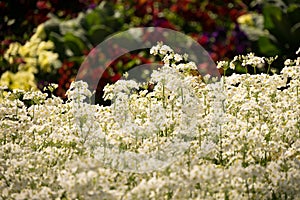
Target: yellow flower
(32,47)
(246,19)
(6,78)
(39,33)
(49,45)
(35,54)
(21,80)
(46,59)
(12,51)
(29,65)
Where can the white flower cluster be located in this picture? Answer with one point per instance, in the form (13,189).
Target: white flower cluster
(289,62)
(237,139)
(161,49)
(169,57)
(78,91)
(250,60)
(225,65)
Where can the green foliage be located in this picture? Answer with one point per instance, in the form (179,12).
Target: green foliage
(75,37)
(283,26)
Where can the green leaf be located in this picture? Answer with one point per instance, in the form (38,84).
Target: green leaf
(271,14)
(93,19)
(266,47)
(59,44)
(76,59)
(75,44)
(98,33)
(52,25)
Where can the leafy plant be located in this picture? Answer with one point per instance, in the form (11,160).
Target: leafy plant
(280,30)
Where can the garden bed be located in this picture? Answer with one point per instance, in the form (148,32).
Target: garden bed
(189,138)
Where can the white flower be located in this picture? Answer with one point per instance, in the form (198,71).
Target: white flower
(154,50)
(221,64)
(167,58)
(288,62)
(297,61)
(186,67)
(125,86)
(165,49)
(298,51)
(125,75)
(78,91)
(177,57)
(232,66)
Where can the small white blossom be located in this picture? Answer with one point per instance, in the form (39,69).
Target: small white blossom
(221,64)
(177,57)
(288,62)
(298,51)
(165,49)
(232,66)
(154,50)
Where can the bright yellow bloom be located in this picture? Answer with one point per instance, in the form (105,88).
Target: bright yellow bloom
(246,19)
(36,54)
(29,65)
(21,80)
(40,32)
(12,51)
(30,48)
(43,45)
(46,59)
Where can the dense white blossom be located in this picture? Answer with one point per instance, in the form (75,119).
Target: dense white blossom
(233,139)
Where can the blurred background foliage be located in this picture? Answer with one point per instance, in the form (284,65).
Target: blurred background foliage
(225,28)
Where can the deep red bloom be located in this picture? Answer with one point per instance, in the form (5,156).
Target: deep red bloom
(43,5)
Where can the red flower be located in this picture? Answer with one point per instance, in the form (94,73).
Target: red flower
(203,39)
(43,5)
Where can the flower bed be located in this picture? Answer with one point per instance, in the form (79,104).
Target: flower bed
(238,138)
